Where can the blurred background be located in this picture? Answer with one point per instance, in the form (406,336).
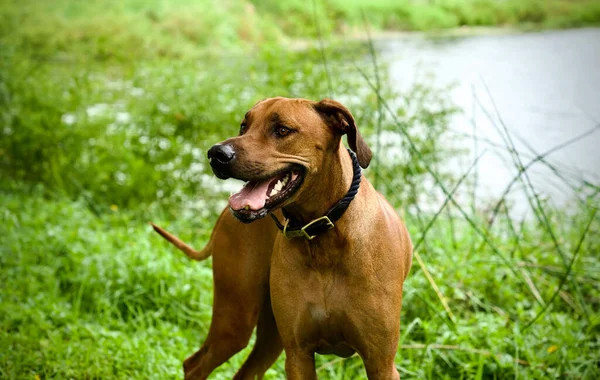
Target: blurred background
(482,114)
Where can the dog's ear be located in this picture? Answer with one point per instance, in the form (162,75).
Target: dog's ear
(340,118)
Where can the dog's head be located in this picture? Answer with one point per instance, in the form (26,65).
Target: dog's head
(281,149)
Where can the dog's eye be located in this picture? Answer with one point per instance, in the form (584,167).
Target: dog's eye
(242,128)
(282,131)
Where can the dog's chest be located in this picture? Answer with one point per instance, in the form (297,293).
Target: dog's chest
(325,331)
(324,322)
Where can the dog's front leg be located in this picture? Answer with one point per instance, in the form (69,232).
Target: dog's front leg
(299,365)
(381,369)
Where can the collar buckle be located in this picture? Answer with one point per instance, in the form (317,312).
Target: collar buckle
(328,223)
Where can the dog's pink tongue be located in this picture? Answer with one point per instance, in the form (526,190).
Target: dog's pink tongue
(253,195)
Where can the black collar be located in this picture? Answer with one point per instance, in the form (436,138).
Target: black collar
(294,228)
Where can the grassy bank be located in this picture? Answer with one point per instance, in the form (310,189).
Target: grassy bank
(119,30)
(339,16)
(107,111)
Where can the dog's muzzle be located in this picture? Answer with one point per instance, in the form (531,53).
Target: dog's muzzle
(221,158)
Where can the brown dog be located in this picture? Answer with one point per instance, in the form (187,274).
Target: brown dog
(336,269)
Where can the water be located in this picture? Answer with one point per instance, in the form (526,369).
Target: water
(546,87)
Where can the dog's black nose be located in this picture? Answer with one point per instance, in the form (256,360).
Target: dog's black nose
(223,154)
(221,158)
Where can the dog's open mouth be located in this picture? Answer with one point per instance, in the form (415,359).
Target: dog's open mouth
(258,198)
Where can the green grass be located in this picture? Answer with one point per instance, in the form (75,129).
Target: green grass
(103,297)
(107,110)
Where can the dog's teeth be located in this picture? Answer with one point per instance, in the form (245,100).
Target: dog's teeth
(278,185)
(273,192)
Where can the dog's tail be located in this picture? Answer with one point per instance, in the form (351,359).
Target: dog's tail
(189,251)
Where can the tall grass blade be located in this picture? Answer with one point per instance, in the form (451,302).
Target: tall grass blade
(433,284)
(567,273)
(322,48)
(446,201)
(373,56)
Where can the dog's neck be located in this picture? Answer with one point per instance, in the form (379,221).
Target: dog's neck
(330,185)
